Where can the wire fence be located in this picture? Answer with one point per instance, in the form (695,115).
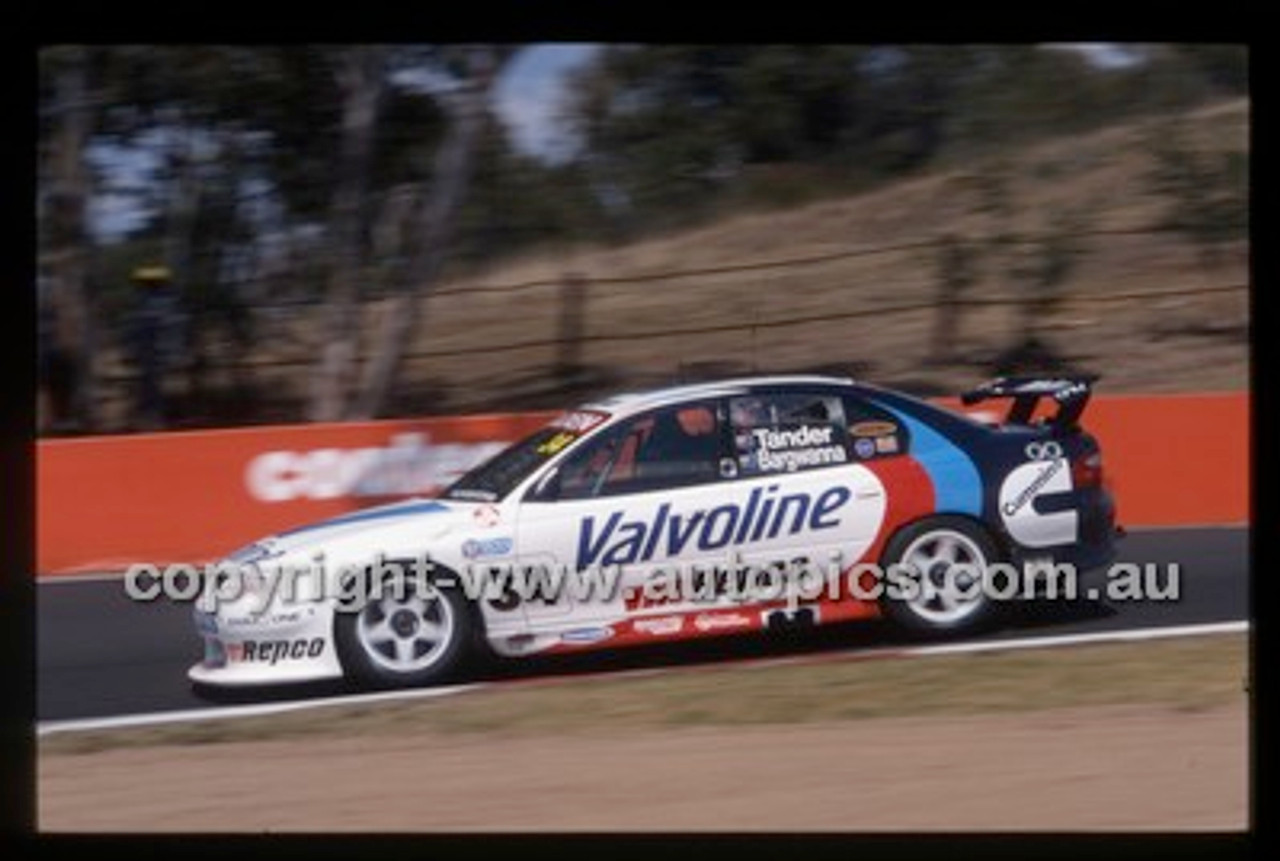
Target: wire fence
(766,265)
(789,262)
(562,313)
(587,285)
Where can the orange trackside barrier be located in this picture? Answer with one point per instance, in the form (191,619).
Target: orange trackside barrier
(1175,459)
(1171,460)
(104,503)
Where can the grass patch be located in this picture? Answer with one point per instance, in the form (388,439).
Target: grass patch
(1185,674)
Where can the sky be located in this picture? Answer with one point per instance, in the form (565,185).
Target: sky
(1103,54)
(530,94)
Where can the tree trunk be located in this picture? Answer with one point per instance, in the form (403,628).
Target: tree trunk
(67,236)
(362,77)
(185,200)
(451,173)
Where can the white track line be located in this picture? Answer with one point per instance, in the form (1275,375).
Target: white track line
(1078,639)
(67,579)
(193,715)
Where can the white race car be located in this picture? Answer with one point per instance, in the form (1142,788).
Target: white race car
(678,495)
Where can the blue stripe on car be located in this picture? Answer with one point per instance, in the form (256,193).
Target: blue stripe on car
(957,487)
(372,514)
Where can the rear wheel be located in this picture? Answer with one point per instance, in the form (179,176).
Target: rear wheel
(407,634)
(947,558)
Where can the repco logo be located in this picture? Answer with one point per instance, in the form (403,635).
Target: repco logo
(409,465)
(274,651)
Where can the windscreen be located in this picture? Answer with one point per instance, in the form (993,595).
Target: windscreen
(502,473)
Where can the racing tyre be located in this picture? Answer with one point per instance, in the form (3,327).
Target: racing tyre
(407,634)
(949,554)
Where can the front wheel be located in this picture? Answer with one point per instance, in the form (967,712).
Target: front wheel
(407,634)
(946,557)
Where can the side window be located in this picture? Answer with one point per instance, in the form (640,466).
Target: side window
(670,447)
(788,432)
(875,432)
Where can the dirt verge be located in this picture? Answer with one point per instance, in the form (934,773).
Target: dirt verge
(1120,767)
(1119,736)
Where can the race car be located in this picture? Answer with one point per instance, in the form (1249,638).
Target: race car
(641,518)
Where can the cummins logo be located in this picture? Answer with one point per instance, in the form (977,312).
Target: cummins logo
(1029,492)
(1018,492)
(409,465)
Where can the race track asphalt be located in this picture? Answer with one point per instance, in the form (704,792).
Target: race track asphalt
(100,654)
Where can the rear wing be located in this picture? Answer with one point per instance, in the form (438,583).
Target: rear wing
(1071,394)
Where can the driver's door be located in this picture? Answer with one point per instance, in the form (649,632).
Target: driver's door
(611,504)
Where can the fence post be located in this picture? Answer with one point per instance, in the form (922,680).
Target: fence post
(569,335)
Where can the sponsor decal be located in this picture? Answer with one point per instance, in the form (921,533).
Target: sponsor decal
(1021,487)
(283,617)
(663,627)
(274,651)
(557,442)
(586,635)
(864,448)
(716,621)
(409,466)
(1028,493)
(1048,450)
(487,515)
(578,421)
(481,548)
(873,429)
(616,539)
(789,450)
(1070,391)
(886,444)
(1047,386)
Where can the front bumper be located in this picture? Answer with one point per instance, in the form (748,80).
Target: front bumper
(266,650)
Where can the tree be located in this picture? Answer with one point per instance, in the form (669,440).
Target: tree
(65,69)
(434,224)
(362,78)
